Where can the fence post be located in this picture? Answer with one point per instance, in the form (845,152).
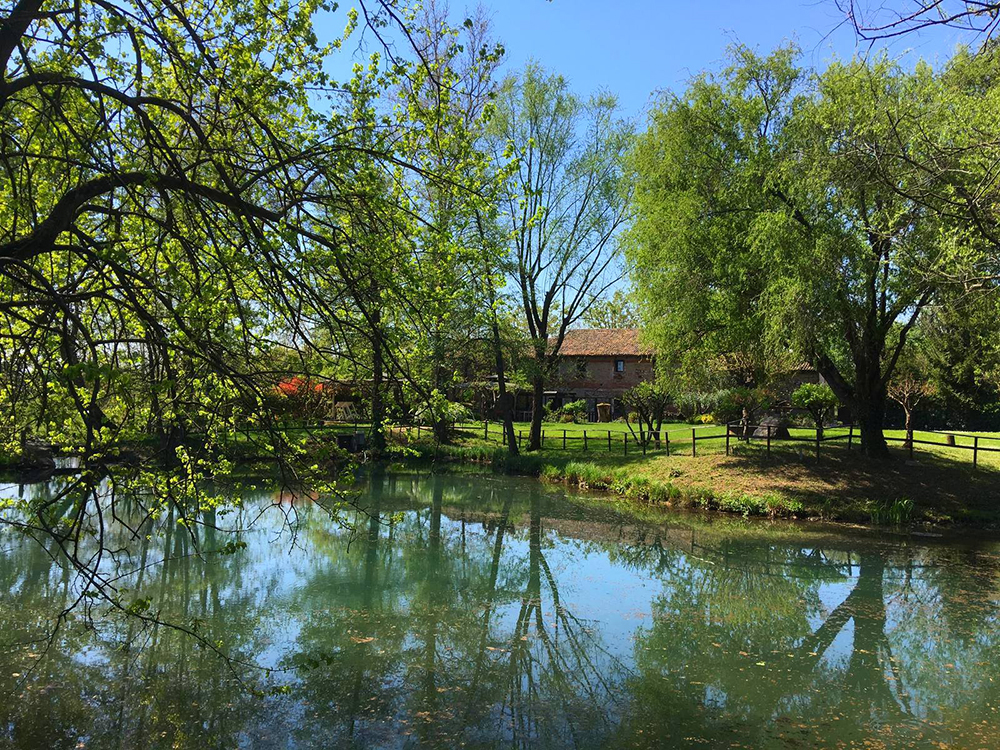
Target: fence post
(519,440)
(584,441)
(486,429)
(625,445)
(643,441)
(727,438)
(666,434)
(694,442)
(850,436)
(769,440)
(909,439)
(543,439)
(564,439)
(975,452)
(818,433)
(609,441)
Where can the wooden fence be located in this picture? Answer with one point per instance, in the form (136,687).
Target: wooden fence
(766,435)
(671,442)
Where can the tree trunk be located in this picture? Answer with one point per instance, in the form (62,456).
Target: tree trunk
(866,396)
(441,426)
(909,421)
(508,412)
(441,430)
(871,417)
(538,393)
(378,404)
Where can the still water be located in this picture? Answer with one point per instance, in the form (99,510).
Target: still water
(493,613)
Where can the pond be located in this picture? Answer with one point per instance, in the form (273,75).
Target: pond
(485,612)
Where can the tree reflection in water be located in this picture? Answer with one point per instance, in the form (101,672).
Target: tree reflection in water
(499,613)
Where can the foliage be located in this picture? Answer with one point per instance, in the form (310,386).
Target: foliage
(767,225)
(562,207)
(895,512)
(193,214)
(649,402)
(617,312)
(743,404)
(818,400)
(694,404)
(959,357)
(572,411)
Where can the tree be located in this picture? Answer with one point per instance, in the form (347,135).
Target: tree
(170,174)
(745,403)
(960,357)
(763,222)
(818,400)
(888,20)
(910,383)
(456,103)
(957,143)
(649,401)
(563,207)
(617,312)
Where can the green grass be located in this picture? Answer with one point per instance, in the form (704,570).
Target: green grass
(678,433)
(711,441)
(938,487)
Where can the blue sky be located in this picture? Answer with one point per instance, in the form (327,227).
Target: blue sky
(636,47)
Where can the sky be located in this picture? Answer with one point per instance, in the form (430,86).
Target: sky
(636,47)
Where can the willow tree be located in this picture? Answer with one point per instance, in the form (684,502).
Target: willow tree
(161,168)
(563,207)
(761,199)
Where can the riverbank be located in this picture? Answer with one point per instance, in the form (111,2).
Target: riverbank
(934,489)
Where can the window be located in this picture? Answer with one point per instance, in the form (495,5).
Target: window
(581,368)
(619,365)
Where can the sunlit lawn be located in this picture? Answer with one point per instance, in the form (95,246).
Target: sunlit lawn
(711,440)
(940,479)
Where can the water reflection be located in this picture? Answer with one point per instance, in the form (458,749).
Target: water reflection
(499,613)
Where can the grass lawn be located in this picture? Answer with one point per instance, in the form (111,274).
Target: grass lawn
(938,486)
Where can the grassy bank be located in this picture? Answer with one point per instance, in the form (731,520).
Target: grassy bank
(938,487)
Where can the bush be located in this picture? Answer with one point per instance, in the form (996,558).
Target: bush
(692,404)
(574,411)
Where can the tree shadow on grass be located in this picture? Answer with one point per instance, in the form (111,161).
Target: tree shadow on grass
(942,488)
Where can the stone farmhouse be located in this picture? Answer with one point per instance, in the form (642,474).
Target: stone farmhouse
(597,365)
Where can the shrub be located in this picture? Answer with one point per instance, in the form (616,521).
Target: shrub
(691,404)
(574,411)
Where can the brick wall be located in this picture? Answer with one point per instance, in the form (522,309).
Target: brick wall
(597,374)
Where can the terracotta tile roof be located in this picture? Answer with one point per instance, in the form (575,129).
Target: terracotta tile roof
(603,342)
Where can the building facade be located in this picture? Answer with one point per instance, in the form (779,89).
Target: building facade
(596,365)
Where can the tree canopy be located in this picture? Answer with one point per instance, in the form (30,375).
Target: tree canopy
(773,218)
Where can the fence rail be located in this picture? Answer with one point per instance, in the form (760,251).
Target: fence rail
(641,440)
(670,441)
